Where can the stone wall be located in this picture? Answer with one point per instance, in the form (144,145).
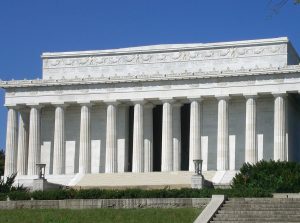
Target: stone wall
(107,203)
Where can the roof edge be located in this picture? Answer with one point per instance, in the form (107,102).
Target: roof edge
(164,48)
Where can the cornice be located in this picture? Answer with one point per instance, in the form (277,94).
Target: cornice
(289,69)
(165,48)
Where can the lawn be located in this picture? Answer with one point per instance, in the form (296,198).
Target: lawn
(99,215)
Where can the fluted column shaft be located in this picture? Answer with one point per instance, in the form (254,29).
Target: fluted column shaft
(280,152)
(11,142)
(195,132)
(176,137)
(34,145)
(59,141)
(167,140)
(148,138)
(222,147)
(85,140)
(23,143)
(111,139)
(250,133)
(138,139)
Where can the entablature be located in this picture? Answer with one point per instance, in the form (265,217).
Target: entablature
(288,69)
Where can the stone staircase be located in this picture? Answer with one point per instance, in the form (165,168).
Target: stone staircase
(142,180)
(259,210)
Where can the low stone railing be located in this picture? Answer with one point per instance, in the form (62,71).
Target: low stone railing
(107,203)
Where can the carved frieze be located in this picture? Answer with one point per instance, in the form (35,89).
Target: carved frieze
(165,57)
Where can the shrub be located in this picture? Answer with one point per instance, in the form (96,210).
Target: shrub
(19,195)
(3,196)
(61,194)
(272,176)
(7,186)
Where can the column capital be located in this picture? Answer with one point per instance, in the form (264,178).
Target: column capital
(279,94)
(138,101)
(195,98)
(167,100)
(85,103)
(247,96)
(12,106)
(37,106)
(60,104)
(111,102)
(222,97)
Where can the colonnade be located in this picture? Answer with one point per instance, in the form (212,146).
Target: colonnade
(23,141)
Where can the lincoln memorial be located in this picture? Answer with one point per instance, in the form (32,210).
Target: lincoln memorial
(141,115)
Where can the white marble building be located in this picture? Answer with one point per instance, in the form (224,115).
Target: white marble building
(155,108)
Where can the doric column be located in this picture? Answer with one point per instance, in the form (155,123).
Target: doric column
(250,132)
(222,147)
(138,138)
(85,139)
(59,154)
(167,137)
(280,152)
(111,138)
(122,138)
(176,136)
(148,137)
(34,145)
(195,132)
(23,142)
(11,142)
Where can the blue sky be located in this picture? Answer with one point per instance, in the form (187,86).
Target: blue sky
(28,28)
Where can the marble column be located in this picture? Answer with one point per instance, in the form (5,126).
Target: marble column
(111,138)
(138,138)
(59,154)
(85,139)
(11,142)
(34,144)
(223,138)
(195,132)
(148,137)
(123,138)
(280,152)
(250,131)
(167,137)
(176,122)
(23,142)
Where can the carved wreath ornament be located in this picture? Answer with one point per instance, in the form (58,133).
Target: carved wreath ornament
(143,58)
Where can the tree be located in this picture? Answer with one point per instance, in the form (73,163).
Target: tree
(2,159)
(276,5)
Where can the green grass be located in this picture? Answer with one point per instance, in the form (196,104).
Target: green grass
(177,215)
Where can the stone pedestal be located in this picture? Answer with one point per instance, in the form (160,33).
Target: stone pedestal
(43,184)
(197,181)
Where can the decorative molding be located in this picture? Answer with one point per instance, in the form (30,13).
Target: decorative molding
(289,69)
(163,57)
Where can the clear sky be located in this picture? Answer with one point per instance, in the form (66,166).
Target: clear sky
(28,28)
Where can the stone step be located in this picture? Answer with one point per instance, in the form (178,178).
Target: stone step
(252,221)
(148,180)
(221,215)
(264,202)
(257,219)
(260,208)
(267,213)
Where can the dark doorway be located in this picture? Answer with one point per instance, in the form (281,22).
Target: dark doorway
(130,135)
(157,134)
(185,135)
